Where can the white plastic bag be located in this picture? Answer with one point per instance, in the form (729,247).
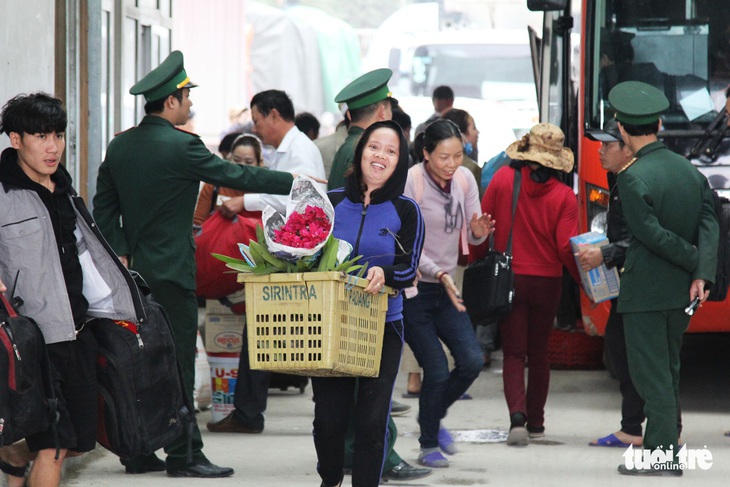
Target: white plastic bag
(304,192)
(203,393)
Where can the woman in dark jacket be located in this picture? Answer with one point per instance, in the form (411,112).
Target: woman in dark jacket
(386,228)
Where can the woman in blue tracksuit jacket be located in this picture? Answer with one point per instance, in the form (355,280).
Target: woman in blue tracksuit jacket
(386,228)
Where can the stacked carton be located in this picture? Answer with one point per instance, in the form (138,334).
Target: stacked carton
(223,328)
(223,342)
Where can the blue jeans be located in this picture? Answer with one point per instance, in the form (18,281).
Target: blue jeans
(430,316)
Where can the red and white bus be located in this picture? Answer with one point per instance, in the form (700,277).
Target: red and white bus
(680,46)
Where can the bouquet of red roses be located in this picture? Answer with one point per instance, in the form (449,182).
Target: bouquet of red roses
(304,230)
(303,242)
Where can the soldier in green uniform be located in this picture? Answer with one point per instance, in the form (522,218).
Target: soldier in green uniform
(671,260)
(368,101)
(147,188)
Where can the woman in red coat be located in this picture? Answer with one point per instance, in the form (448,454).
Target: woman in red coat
(545,219)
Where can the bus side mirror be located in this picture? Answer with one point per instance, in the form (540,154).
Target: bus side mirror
(546,5)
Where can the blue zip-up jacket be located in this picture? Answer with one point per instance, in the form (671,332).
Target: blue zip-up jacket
(388,233)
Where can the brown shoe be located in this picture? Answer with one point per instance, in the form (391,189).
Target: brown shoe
(230,424)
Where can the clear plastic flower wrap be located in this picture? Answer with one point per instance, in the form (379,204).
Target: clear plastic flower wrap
(309,220)
(301,241)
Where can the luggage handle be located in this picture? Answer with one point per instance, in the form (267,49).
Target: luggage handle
(54,415)
(10,310)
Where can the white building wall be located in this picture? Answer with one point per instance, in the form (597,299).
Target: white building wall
(27,29)
(214,42)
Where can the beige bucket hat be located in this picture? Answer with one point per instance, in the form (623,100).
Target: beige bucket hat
(544,144)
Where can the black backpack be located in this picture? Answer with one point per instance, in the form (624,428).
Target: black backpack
(141,400)
(718,291)
(28,403)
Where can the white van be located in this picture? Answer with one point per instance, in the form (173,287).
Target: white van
(490,72)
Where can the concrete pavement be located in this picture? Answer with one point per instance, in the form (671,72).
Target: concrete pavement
(582,406)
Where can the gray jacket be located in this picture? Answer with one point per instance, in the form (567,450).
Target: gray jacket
(31,269)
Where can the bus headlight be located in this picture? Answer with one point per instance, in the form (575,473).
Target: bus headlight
(597,208)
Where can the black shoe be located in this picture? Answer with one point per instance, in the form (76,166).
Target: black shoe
(398,408)
(404,471)
(649,472)
(518,434)
(143,464)
(201,469)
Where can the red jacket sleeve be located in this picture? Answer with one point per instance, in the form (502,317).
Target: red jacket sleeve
(477,252)
(568,227)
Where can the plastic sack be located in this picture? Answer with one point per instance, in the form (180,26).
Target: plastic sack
(221,235)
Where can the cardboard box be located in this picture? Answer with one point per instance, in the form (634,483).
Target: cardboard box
(601,283)
(214,307)
(224,333)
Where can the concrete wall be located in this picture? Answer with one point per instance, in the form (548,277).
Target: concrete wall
(26,49)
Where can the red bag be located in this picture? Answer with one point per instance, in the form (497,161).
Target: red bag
(221,236)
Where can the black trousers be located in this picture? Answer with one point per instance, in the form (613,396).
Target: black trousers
(333,407)
(181,306)
(632,405)
(252,391)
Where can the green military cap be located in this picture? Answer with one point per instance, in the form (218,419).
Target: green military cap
(164,80)
(637,103)
(369,88)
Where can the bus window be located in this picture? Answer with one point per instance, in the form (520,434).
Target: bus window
(667,44)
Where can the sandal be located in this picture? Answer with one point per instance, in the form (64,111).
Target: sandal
(610,441)
(433,460)
(446,442)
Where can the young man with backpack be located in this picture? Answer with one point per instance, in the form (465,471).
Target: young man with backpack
(50,248)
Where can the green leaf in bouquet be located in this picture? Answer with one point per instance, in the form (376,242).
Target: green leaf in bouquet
(362,270)
(303,265)
(264,270)
(354,268)
(255,256)
(347,266)
(267,258)
(328,260)
(229,260)
(260,237)
(242,267)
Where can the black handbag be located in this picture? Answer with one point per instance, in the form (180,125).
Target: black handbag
(488,287)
